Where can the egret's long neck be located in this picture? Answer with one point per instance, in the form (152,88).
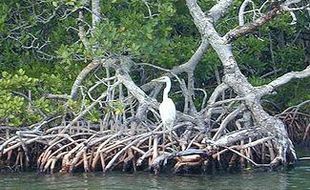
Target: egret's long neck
(167,89)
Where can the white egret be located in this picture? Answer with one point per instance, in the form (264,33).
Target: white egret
(167,109)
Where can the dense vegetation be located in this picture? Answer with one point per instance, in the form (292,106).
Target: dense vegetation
(77,90)
(40,52)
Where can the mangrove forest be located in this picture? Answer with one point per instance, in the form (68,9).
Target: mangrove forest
(164,86)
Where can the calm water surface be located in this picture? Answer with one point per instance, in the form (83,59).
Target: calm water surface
(297,178)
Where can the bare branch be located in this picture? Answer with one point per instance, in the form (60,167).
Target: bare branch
(194,60)
(148,9)
(242,10)
(267,89)
(57,96)
(236,136)
(84,73)
(217,91)
(96,15)
(197,14)
(85,111)
(250,27)
(81,31)
(218,10)
(225,122)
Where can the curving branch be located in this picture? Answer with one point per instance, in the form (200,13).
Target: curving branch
(236,136)
(229,118)
(194,60)
(267,89)
(197,14)
(219,9)
(242,11)
(234,78)
(85,72)
(250,27)
(96,18)
(96,15)
(82,75)
(82,33)
(126,80)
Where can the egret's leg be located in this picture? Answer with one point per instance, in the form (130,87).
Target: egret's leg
(168,130)
(164,136)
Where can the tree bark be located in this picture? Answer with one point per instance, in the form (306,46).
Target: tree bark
(235,79)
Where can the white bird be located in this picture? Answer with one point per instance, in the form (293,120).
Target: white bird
(167,109)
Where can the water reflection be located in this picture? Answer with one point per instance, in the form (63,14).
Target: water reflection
(297,178)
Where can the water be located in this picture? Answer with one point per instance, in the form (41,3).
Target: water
(297,178)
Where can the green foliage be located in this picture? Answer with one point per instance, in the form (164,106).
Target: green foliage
(277,48)
(14,109)
(18,81)
(3,17)
(158,39)
(115,107)
(93,116)
(291,94)
(10,108)
(257,81)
